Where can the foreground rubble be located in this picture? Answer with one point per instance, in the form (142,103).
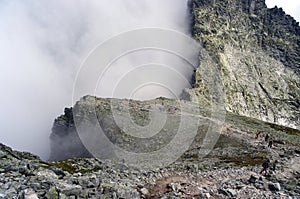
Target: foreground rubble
(23,175)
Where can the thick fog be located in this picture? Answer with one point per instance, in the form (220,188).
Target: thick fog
(42,46)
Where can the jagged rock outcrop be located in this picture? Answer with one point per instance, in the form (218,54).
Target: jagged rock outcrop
(257,52)
(65,142)
(122,123)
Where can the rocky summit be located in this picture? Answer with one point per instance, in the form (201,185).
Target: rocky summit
(242,113)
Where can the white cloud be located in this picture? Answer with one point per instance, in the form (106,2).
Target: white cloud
(43,43)
(291,7)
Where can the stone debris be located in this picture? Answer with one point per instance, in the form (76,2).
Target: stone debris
(92,178)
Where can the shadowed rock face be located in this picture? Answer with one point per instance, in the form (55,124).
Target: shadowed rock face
(257,52)
(65,142)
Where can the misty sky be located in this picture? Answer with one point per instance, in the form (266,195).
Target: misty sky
(291,7)
(44,42)
(42,46)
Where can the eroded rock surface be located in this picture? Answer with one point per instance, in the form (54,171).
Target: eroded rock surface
(256,51)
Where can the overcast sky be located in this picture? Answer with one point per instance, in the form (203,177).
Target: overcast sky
(291,7)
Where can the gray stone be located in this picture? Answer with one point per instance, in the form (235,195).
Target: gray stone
(2,154)
(63,196)
(274,186)
(231,192)
(30,194)
(252,179)
(57,171)
(144,191)
(47,175)
(128,193)
(225,192)
(70,190)
(175,186)
(251,69)
(91,185)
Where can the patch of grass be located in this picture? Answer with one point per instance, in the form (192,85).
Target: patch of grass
(63,165)
(225,141)
(292,184)
(68,166)
(287,130)
(286,134)
(246,159)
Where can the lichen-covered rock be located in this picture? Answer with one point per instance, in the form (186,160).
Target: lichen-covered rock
(257,52)
(52,193)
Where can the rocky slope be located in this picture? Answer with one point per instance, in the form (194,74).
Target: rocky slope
(114,116)
(256,51)
(231,170)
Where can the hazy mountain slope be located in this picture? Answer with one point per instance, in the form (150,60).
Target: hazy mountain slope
(111,114)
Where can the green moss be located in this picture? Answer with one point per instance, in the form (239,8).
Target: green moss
(244,161)
(64,166)
(67,165)
(292,184)
(52,193)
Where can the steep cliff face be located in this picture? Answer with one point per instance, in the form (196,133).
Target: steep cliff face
(65,141)
(257,53)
